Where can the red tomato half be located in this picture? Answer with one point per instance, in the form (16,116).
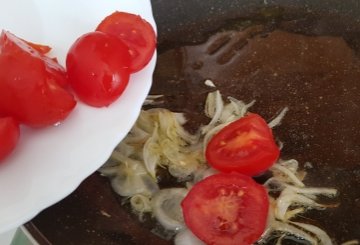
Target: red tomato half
(135,32)
(31,84)
(9,136)
(246,146)
(226,209)
(98,68)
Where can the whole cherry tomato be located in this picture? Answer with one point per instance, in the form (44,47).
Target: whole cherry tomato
(98,68)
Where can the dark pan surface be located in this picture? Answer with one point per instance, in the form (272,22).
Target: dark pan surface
(314,70)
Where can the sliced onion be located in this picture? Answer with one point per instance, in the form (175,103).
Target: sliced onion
(152,99)
(309,191)
(136,136)
(203,173)
(213,108)
(129,177)
(130,184)
(171,126)
(186,237)
(169,145)
(289,197)
(280,240)
(166,207)
(209,83)
(154,96)
(277,120)
(293,213)
(282,226)
(126,149)
(242,108)
(141,203)
(351,242)
(182,170)
(109,171)
(290,229)
(229,113)
(319,233)
(151,153)
(146,121)
(288,173)
(290,164)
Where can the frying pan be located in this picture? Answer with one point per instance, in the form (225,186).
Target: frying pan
(321,127)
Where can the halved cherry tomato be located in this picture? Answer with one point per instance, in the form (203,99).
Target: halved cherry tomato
(9,136)
(31,84)
(246,146)
(98,68)
(226,209)
(135,32)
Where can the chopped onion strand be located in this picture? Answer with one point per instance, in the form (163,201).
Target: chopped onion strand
(277,120)
(319,233)
(213,108)
(351,242)
(209,83)
(289,174)
(166,207)
(186,237)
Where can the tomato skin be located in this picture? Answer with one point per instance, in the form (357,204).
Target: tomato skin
(226,209)
(246,146)
(98,68)
(39,51)
(135,32)
(9,136)
(31,85)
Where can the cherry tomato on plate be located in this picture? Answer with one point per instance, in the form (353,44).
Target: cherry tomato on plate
(226,209)
(31,84)
(9,136)
(98,68)
(135,32)
(246,146)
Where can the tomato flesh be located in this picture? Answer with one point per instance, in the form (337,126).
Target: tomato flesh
(246,146)
(42,49)
(226,209)
(98,68)
(31,85)
(135,32)
(9,136)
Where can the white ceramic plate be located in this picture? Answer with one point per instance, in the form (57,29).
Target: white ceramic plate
(48,164)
